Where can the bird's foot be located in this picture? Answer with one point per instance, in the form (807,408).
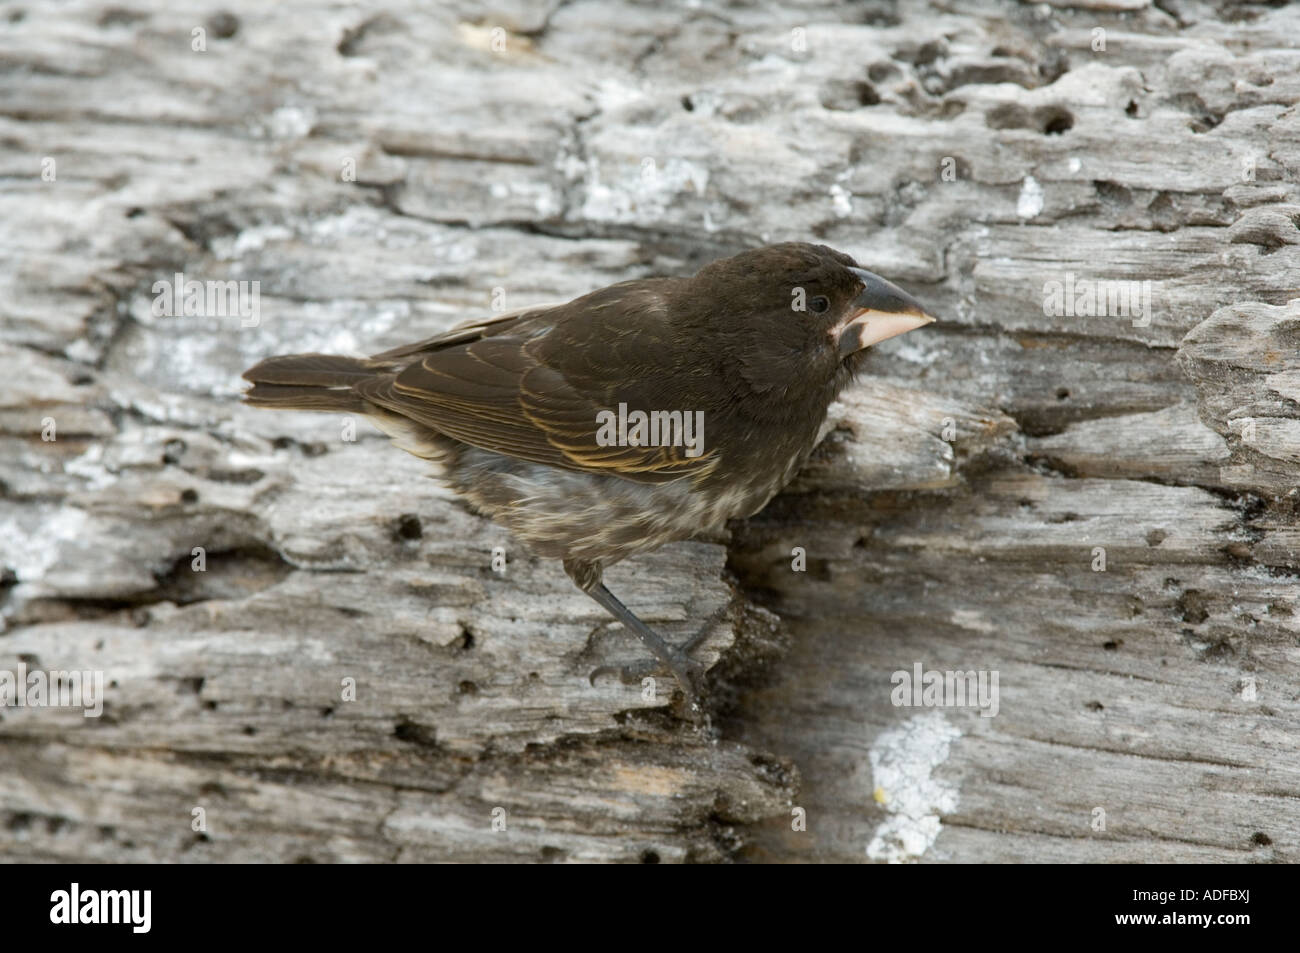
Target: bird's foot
(687,671)
(667,658)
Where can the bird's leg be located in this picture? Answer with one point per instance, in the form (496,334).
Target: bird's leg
(648,667)
(685,669)
(688,672)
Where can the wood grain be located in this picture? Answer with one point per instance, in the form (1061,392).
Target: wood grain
(385,172)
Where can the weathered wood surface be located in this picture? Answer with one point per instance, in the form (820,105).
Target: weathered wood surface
(951,518)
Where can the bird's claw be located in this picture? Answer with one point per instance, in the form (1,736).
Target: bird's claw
(688,673)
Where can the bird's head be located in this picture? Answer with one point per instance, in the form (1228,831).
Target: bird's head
(795,319)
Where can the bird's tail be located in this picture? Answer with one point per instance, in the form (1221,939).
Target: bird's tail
(310,382)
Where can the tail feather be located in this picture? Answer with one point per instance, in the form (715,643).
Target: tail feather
(316,370)
(310,382)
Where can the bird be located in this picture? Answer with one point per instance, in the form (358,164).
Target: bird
(646,412)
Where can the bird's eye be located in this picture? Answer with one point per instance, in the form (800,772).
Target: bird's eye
(819,304)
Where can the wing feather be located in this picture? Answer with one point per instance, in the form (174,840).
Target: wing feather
(530,384)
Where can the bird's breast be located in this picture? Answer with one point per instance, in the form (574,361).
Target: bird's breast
(576,514)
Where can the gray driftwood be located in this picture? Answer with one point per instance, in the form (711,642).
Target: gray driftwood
(385,172)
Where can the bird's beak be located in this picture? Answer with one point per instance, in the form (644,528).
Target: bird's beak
(881,311)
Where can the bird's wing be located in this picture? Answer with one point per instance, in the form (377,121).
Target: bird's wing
(467,331)
(531,384)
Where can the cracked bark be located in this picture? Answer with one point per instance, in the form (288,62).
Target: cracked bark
(950,517)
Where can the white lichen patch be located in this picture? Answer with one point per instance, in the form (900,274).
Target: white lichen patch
(903,760)
(841,200)
(1030,202)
